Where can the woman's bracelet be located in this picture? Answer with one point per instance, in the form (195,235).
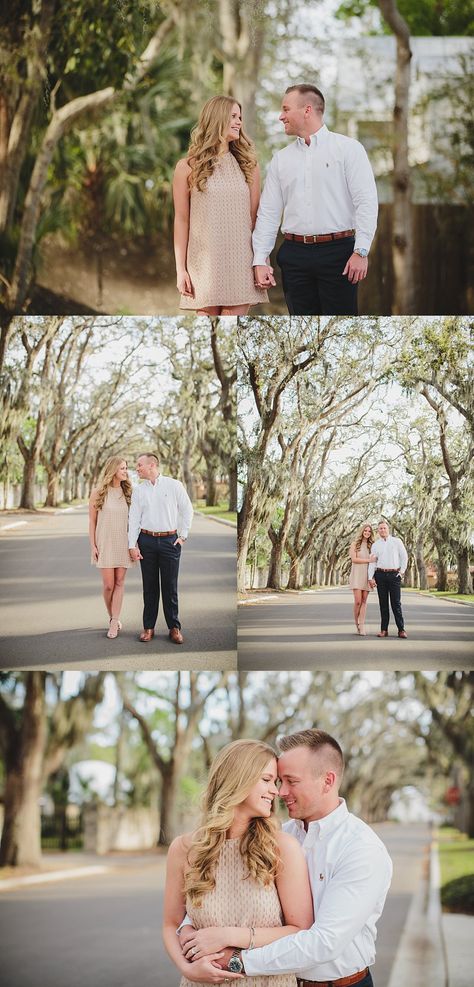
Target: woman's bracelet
(252,938)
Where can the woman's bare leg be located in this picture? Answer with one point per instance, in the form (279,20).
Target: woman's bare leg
(108,584)
(212,310)
(363,611)
(357,604)
(235,310)
(119,586)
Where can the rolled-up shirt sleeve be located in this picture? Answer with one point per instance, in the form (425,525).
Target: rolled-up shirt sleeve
(372,565)
(269,215)
(185,511)
(363,190)
(134,518)
(358,886)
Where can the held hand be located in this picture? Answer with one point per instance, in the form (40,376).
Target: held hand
(184,284)
(204,942)
(179,541)
(263,274)
(372,583)
(135,554)
(356,268)
(372,558)
(208,970)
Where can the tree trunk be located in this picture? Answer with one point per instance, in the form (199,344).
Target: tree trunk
(294,578)
(464,575)
(402,241)
(233,486)
(211,486)
(52,495)
(274,567)
(28,484)
(21,835)
(420,564)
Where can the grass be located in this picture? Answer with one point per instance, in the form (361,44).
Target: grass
(218,510)
(448,594)
(456,857)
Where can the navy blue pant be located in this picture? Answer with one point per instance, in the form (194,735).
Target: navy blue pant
(389,588)
(160,568)
(312,277)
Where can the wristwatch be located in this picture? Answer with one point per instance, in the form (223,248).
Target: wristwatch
(361,251)
(235,964)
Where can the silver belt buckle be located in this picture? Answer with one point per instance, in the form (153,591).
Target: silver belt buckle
(308,237)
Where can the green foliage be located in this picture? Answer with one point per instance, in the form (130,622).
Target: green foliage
(424,17)
(458,895)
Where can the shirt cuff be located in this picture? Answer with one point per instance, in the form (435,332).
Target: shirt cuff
(363,241)
(260,260)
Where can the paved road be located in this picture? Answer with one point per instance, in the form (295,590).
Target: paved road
(52,612)
(104,931)
(310,630)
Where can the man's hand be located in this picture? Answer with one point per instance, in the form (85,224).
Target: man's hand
(179,541)
(211,970)
(205,941)
(372,583)
(135,554)
(263,274)
(356,268)
(372,558)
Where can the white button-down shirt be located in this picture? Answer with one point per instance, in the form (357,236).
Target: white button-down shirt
(160,506)
(325,187)
(391,554)
(350,873)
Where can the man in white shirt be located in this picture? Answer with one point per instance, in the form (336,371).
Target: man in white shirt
(324,186)
(349,869)
(159,521)
(386,574)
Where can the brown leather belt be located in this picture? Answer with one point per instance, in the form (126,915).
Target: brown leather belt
(319,237)
(158,534)
(378,569)
(342,982)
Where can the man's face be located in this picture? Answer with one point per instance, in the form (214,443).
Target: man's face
(293,114)
(383,530)
(145,467)
(303,785)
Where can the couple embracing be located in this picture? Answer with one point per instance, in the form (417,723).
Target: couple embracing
(320,188)
(148,524)
(248,900)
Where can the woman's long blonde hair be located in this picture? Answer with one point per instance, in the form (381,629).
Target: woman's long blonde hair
(360,537)
(207,139)
(106,479)
(234,772)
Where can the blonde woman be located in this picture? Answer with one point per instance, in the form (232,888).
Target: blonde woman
(360,556)
(216,191)
(108,526)
(240,879)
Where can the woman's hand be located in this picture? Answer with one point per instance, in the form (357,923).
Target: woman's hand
(95,553)
(206,941)
(184,284)
(208,971)
(372,558)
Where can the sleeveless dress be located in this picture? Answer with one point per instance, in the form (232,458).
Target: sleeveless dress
(239,901)
(219,256)
(358,577)
(111,534)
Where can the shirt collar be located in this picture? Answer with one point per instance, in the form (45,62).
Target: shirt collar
(317,138)
(321,828)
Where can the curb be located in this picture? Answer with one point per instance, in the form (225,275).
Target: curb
(421,954)
(57,875)
(220,520)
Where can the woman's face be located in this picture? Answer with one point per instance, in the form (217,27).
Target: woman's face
(235,123)
(122,472)
(367,532)
(261,796)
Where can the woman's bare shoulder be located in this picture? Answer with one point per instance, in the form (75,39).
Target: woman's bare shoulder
(286,841)
(182,167)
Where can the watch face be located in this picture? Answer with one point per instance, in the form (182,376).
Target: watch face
(235,964)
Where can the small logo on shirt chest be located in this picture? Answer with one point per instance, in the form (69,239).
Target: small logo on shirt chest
(321,877)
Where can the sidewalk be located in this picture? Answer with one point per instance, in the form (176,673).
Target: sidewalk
(436,949)
(71,865)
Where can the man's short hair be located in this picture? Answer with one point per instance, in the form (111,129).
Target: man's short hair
(383,521)
(314,95)
(315,740)
(150,455)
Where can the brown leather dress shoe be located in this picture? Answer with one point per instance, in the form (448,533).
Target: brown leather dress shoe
(146,635)
(175,635)
(402,634)
(382,634)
